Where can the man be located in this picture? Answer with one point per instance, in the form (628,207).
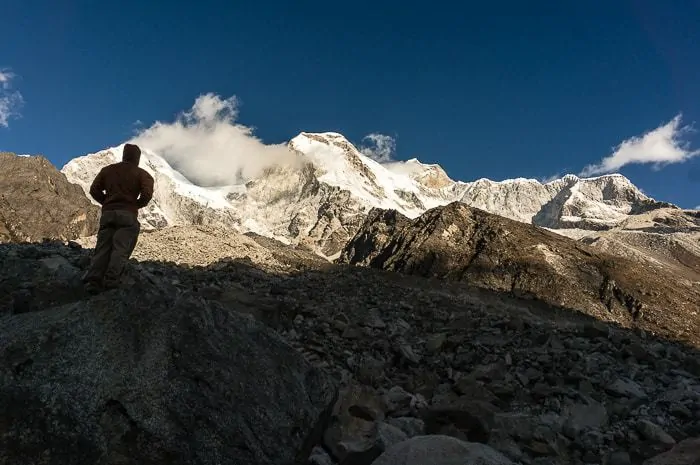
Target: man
(122,189)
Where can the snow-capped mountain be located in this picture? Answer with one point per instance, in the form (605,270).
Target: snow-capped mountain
(322,200)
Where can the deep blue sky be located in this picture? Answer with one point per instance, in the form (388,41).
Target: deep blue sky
(497,90)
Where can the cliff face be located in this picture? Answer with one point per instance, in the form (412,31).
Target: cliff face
(37,202)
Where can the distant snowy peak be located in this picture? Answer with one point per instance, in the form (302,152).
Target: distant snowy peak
(175,198)
(322,200)
(342,165)
(568,202)
(431,176)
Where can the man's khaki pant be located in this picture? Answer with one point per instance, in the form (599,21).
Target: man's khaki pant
(116,239)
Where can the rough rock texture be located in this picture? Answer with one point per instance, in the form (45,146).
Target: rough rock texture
(440,450)
(203,245)
(666,238)
(684,453)
(414,356)
(37,202)
(459,243)
(152,375)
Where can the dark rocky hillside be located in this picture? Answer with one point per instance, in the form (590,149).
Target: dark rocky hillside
(237,362)
(470,246)
(37,202)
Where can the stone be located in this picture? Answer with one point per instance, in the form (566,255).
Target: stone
(37,202)
(654,432)
(583,416)
(397,398)
(435,342)
(458,242)
(352,432)
(568,368)
(320,457)
(388,435)
(440,450)
(409,425)
(626,388)
(618,457)
(136,376)
(686,452)
(375,320)
(473,418)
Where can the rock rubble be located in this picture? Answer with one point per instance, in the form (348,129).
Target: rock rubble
(418,357)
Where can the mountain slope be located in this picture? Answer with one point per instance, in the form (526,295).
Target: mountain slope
(321,201)
(460,243)
(667,238)
(37,202)
(413,356)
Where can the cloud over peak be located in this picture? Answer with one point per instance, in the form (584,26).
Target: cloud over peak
(10,100)
(208,146)
(659,147)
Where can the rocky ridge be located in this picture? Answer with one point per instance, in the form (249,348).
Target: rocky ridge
(322,200)
(664,238)
(460,243)
(509,380)
(37,202)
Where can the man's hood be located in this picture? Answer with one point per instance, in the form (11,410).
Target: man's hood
(131,154)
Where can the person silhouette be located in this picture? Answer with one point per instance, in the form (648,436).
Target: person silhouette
(121,189)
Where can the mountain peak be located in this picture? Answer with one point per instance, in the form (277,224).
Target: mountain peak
(322,200)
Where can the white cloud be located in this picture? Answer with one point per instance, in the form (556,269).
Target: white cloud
(661,146)
(381,147)
(5,78)
(549,179)
(10,100)
(207,145)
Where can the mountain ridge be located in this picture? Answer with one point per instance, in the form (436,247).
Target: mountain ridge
(321,201)
(495,339)
(459,243)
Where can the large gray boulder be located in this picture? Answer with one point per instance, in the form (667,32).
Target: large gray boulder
(147,376)
(440,450)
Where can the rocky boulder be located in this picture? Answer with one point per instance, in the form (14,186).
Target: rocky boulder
(440,450)
(37,202)
(684,453)
(150,375)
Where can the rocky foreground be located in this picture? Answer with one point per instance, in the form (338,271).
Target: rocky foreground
(192,364)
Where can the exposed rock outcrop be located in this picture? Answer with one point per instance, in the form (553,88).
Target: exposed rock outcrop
(414,356)
(37,202)
(152,375)
(459,243)
(439,450)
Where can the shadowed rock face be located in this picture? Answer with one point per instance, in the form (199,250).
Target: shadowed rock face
(37,202)
(106,375)
(459,243)
(151,376)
